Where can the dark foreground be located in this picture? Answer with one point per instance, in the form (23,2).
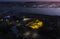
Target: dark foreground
(12,25)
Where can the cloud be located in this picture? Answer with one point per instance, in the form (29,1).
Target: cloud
(30,0)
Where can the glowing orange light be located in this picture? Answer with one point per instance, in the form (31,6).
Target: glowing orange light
(35,25)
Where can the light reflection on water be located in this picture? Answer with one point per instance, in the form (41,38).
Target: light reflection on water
(47,11)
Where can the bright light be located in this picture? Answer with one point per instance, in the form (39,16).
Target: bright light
(34,35)
(26,34)
(9,23)
(18,24)
(7,17)
(25,19)
(35,25)
(17,20)
(1,19)
(7,20)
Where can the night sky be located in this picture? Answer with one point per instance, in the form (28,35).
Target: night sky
(32,0)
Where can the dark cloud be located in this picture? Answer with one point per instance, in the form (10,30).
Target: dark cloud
(30,0)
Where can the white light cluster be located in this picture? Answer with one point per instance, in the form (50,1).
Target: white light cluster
(47,5)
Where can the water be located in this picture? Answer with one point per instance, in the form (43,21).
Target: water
(45,11)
